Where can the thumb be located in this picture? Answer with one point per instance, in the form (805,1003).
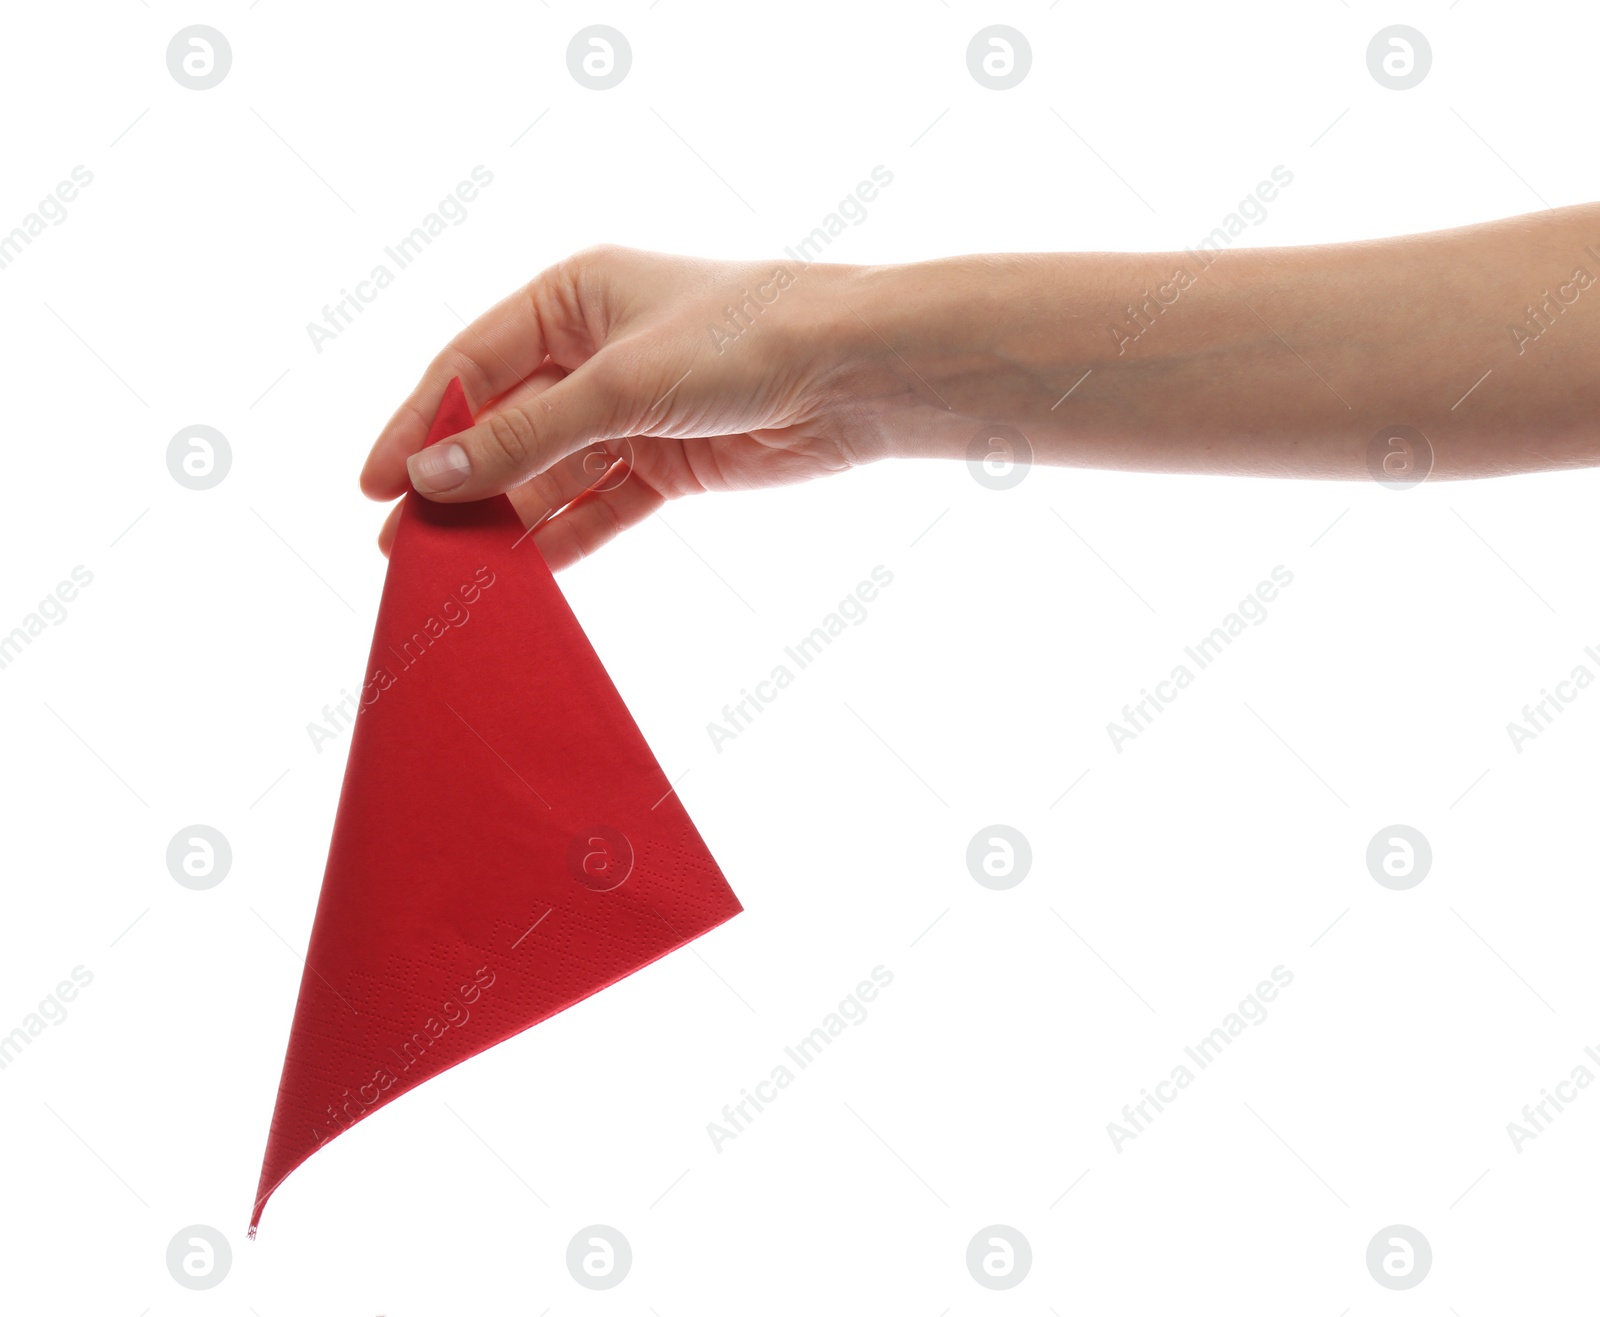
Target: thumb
(517,440)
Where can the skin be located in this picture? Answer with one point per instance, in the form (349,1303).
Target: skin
(617,379)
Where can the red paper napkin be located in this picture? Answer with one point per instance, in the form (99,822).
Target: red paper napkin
(505,843)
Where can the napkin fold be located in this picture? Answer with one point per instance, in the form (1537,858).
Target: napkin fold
(505,842)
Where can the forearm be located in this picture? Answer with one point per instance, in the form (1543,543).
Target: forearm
(1284,361)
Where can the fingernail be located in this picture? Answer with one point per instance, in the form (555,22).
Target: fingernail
(439,468)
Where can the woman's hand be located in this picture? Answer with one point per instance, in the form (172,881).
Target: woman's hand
(619,379)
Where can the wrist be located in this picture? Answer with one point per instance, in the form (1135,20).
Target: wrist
(946,348)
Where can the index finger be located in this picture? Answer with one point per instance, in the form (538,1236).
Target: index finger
(496,352)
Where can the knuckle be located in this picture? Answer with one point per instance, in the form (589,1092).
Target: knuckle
(582,269)
(599,254)
(554,277)
(576,292)
(511,438)
(608,519)
(458,362)
(570,547)
(615,396)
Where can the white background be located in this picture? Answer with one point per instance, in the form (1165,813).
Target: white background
(1166,883)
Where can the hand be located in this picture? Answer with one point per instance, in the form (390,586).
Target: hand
(619,379)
